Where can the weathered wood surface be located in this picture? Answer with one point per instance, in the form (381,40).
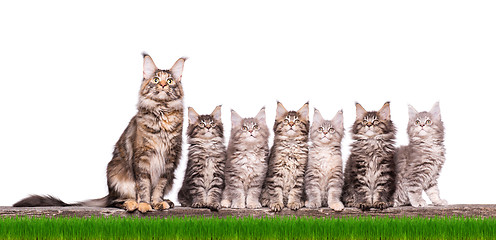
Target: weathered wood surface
(430,211)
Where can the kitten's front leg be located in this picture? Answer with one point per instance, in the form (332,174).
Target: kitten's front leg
(214,193)
(314,198)
(163,186)
(433,194)
(141,169)
(333,200)
(415,197)
(252,197)
(295,200)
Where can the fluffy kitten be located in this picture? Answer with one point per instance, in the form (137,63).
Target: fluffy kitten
(287,161)
(324,173)
(246,164)
(419,164)
(369,177)
(204,177)
(141,171)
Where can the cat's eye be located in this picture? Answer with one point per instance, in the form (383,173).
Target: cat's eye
(417,122)
(245,128)
(286,121)
(321,129)
(255,127)
(376,122)
(364,122)
(156,79)
(170,81)
(202,124)
(428,122)
(297,121)
(331,130)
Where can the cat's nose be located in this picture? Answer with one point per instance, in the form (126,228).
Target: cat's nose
(163,83)
(325,133)
(291,124)
(369,124)
(251,130)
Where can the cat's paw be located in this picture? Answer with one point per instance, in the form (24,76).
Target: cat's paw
(336,206)
(238,205)
(312,204)
(215,206)
(380,205)
(441,202)
(160,205)
(253,205)
(419,203)
(361,206)
(130,205)
(225,203)
(276,207)
(171,203)
(198,205)
(144,207)
(295,205)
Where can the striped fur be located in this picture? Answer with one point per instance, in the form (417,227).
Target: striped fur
(204,177)
(370,172)
(287,160)
(419,163)
(324,173)
(142,168)
(247,157)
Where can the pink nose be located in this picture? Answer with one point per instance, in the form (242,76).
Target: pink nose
(163,83)
(291,124)
(325,133)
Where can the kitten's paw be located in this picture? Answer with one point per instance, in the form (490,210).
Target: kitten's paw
(253,205)
(295,205)
(130,205)
(161,205)
(198,205)
(336,206)
(225,203)
(144,207)
(238,205)
(361,206)
(441,202)
(276,207)
(171,204)
(312,204)
(380,205)
(215,206)
(420,203)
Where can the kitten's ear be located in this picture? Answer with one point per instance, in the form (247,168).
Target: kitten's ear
(385,112)
(436,111)
(235,119)
(217,114)
(281,112)
(261,116)
(360,111)
(149,67)
(337,121)
(412,113)
(192,116)
(177,68)
(317,117)
(304,112)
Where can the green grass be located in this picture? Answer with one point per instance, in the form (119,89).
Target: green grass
(247,228)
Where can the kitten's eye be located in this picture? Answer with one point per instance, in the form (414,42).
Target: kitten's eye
(286,121)
(331,130)
(202,124)
(417,122)
(428,122)
(156,79)
(245,128)
(321,129)
(376,122)
(255,127)
(170,80)
(297,121)
(364,122)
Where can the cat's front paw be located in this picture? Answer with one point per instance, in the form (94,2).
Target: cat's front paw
(130,205)
(361,206)
(276,207)
(171,203)
(225,203)
(160,205)
(441,202)
(295,205)
(419,203)
(253,205)
(144,207)
(380,205)
(238,203)
(336,206)
(214,206)
(312,204)
(198,205)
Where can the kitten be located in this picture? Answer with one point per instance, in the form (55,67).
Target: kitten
(246,166)
(369,177)
(287,160)
(324,173)
(204,177)
(419,164)
(141,171)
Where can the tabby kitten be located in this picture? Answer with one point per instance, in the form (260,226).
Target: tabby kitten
(204,177)
(419,164)
(324,173)
(246,166)
(141,171)
(369,177)
(287,160)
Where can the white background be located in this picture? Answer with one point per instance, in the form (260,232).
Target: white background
(70,74)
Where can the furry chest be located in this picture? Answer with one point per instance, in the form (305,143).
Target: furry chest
(158,161)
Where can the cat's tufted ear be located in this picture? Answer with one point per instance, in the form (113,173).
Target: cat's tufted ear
(217,114)
(360,112)
(177,69)
(192,116)
(261,116)
(149,67)
(436,112)
(317,117)
(412,113)
(337,121)
(235,119)
(281,111)
(385,112)
(304,112)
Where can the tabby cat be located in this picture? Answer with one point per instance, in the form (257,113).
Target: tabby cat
(324,173)
(204,177)
(141,171)
(369,177)
(287,160)
(247,156)
(419,163)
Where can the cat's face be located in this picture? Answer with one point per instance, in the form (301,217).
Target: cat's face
(162,85)
(327,131)
(423,124)
(205,126)
(250,129)
(373,124)
(291,123)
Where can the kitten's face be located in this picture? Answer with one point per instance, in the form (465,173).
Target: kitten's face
(205,126)
(373,124)
(423,124)
(327,131)
(251,130)
(162,85)
(291,123)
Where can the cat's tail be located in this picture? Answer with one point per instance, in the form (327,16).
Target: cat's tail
(47,200)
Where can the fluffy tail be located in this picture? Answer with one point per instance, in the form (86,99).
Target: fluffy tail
(47,200)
